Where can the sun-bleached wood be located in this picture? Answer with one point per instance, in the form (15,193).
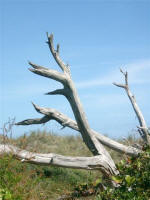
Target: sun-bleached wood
(89,163)
(53,114)
(101,159)
(70,92)
(143,129)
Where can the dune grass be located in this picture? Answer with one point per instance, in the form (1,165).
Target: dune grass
(23,181)
(27,181)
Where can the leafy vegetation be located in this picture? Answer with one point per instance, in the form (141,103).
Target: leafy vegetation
(133,180)
(23,181)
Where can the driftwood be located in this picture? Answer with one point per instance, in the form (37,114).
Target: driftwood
(101,159)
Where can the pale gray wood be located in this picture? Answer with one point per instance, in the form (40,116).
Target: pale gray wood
(49,73)
(143,129)
(99,162)
(92,139)
(55,54)
(65,121)
(70,92)
(34,121)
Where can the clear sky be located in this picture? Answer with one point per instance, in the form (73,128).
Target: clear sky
(96,38)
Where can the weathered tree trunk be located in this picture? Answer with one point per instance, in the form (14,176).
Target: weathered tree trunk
(101,159)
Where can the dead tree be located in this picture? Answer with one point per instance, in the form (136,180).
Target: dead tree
(101,159)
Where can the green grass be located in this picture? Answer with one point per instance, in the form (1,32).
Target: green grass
(27,181)
(23,181)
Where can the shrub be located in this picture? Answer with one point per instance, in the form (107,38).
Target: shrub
(133,180)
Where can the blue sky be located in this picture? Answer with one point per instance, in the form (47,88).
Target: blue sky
(96,38)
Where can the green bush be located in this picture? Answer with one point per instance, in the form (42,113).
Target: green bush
(24,181)
(5,194)
(133,180)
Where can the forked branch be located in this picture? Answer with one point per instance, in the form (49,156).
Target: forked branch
(65,121)
(143,129)
(69,91)
(55,54)
(94,141)
(73,98)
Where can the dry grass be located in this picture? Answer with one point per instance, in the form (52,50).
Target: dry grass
(26,181)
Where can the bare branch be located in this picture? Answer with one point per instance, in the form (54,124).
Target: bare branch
(37,66)
(92,143)
(89,163)
(34,121)
(42,110)
(58,91)
(67,122)
(120,85)
(125,75)
(142,122)
(58,47)
(49,73)
(55,54)
(91,140)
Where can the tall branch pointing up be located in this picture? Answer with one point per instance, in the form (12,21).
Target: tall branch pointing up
(70,92)
(55,54)
(143,127)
